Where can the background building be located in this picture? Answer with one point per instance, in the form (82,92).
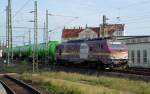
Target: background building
(139,51)
(89,33)
(92,32)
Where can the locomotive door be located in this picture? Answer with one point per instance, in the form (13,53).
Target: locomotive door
(84,51)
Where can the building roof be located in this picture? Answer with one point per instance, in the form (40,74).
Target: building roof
(73,33)
(67,33)
(95,29)
(115,27)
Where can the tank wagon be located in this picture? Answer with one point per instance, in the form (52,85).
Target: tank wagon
(100,53)
(26,52)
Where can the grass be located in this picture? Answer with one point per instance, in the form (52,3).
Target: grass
(59,86)
(14,68)
(73,83)
(8,69)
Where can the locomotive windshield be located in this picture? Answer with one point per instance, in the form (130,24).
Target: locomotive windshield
(116,45)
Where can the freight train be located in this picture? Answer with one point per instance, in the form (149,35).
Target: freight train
(99,52)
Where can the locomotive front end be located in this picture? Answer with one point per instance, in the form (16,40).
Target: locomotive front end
(118,54)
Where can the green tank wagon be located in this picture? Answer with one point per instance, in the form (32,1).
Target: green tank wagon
(26,51)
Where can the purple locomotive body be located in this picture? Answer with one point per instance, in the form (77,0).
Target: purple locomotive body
(103,53)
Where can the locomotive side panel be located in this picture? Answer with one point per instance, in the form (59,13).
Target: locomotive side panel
(98,51)
(94,51)
(69,52)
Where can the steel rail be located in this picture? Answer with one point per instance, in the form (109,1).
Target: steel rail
(7,88)
(23,84)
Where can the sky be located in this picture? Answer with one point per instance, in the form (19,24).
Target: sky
(135,14)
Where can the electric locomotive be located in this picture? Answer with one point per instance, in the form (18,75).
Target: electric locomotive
(100,53)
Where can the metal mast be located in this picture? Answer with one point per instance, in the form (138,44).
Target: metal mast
(9,32)
(35,53)
(103,25)
(29,37)
(0,45)
(44,41)
(6,26)
(11,39)
(46,36)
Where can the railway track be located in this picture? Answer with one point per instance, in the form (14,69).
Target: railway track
(131,74)
(143,72)
(131,71)
(14,86)
(6,89)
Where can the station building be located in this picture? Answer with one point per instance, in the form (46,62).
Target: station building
(139,51)
(92,32)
